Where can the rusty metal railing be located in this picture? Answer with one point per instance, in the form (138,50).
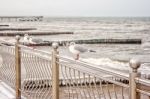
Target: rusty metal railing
(37,74)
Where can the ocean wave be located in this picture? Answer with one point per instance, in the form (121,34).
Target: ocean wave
(118,66)
(108,62)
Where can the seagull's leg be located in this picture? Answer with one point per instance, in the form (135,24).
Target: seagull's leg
(77,57)
(31,46)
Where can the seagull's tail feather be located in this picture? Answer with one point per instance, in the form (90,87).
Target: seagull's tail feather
(92,51)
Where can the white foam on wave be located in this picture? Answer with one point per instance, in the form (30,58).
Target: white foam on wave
(108,62)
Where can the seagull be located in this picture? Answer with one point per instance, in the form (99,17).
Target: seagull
(35,40)
(78,49)
(31,41)
(26,39)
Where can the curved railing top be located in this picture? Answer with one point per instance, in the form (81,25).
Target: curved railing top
(40,53)
(79,65)
(94,67)
(143,81)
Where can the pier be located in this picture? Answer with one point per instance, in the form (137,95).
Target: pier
(39,74)
(20,18)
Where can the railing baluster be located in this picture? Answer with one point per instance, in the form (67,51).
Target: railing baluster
(68,82)
(134,64)
(82,86)
(107,88)
(85,78)
(102,90)
(55,72)
(18,68)
(77,84)
(114,89)
(95,86)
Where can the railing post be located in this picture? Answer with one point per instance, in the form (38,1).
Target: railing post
(18,68)
(55,72)
(134,64)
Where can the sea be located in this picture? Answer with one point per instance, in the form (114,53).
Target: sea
(115,56)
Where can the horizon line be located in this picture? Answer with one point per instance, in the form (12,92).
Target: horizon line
(63,16)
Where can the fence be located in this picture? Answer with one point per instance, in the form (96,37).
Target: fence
(36,74)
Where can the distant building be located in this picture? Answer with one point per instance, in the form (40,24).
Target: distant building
(20,18)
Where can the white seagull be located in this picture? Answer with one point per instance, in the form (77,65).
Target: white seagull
(26,39)
(78,49)
(29,40)
(35,40)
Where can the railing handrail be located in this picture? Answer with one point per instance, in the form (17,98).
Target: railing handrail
(26,47)
(95,74)
(85,64)
(35,50)
(133,78)
(143,81)
(7,46)
(7,42)
(143,92)
(94,67)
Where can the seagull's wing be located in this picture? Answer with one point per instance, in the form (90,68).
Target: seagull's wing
(36,40)
(26,40)
(80,48)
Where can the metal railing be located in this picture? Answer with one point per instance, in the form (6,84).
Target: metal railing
(37,74)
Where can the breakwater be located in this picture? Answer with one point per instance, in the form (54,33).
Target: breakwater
(17,29)
(21,33)
(110,41)
(90,41)
(4,25)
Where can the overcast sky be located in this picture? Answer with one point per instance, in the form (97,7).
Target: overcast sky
(75,7)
